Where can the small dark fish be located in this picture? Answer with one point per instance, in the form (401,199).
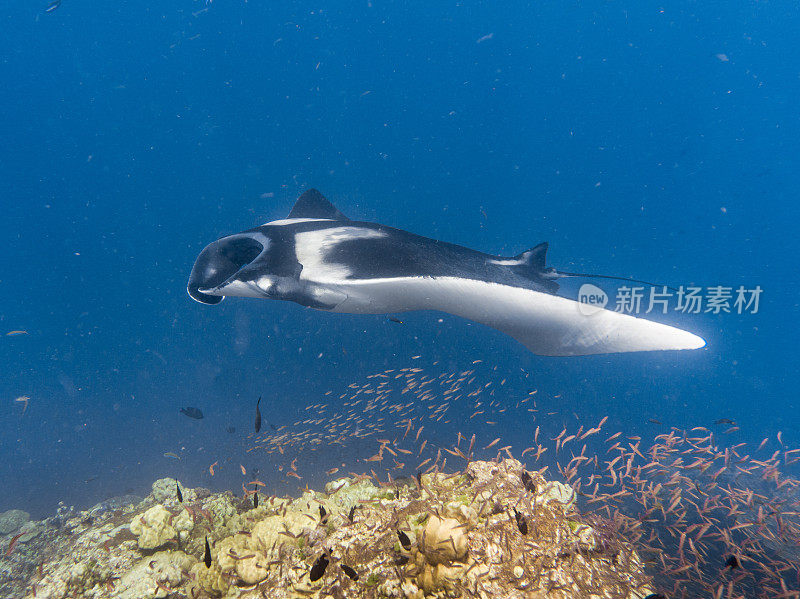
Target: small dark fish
(323,515)
(419,478)
(255,499)
(349,571)
(732,562)
(401,560)
(656,596)
(352,513)
(397,320)
(191,412)
(318,569)
(522,523)
(404,540)
(527,482)
(207,555)
(53,6)
(258,415)
(654,421)
(725,421)
(230,430)
(178,489)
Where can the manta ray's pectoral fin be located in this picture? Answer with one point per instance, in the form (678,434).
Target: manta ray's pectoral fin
(312,204)
(550,325)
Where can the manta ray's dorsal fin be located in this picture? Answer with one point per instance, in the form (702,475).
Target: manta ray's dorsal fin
(533,264)
(534,257)
(312,204)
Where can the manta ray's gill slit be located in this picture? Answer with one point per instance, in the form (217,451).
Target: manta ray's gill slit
(684,499)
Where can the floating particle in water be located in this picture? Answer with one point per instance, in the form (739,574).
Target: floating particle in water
(23,399)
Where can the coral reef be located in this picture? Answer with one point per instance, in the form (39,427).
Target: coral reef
(154,527)
(490,530)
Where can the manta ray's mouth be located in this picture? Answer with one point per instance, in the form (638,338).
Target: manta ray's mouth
(219,262)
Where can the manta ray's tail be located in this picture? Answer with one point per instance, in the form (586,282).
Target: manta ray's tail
(535,259)
(562,273)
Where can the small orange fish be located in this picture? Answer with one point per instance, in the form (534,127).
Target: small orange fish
(211,468)
(294,474)
(493,443)
(13,544)
(16,333)
(332,471)
(244,472)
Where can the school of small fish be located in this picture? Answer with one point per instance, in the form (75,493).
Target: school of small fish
(692,504)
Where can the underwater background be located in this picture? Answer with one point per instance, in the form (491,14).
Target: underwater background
(639,140)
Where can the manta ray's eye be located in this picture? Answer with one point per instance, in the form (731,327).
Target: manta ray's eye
(219,262)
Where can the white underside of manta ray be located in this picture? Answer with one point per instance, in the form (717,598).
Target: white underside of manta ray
(319,258)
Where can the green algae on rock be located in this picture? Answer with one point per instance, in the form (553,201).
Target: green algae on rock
(11,520)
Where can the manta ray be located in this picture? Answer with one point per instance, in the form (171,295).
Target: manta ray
(319,258)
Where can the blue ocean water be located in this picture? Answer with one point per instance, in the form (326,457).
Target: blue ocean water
(652,142)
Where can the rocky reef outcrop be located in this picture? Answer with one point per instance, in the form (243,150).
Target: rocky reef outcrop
(491,530)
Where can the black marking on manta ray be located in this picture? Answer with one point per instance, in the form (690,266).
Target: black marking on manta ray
(397,253)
